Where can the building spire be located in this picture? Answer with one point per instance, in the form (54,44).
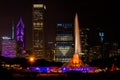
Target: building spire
(20,37)
(12,29)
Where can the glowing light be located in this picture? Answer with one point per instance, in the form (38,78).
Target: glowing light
(76,59)
(6,38)
(9,48)
(112,69)
(32,59)
(20,36)
(62,69)
(38,5)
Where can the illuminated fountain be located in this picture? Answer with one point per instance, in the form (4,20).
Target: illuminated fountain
(76,64)
(76,61)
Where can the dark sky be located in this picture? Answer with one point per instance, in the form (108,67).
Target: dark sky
(92,14)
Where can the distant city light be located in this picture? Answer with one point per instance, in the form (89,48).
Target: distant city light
(6,38)
(101,34)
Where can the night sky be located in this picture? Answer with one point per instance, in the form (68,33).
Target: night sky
(92,14)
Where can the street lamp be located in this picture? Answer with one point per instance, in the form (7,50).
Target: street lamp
(31,59)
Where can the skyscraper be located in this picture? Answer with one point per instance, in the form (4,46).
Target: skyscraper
(20,38)
(84,43)
(8,47)
(64,42)
(38,30)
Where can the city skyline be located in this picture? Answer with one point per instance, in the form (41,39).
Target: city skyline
(92,14)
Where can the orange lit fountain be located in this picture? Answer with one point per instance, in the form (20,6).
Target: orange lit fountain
(76,61)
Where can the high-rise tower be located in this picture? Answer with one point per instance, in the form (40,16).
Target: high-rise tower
(8,47)
(20,38)
(38,30)
(64,42)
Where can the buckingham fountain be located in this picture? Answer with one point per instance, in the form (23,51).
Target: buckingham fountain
(75,60)
(76,64)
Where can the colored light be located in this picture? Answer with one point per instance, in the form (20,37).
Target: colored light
(20,34)
(31,59)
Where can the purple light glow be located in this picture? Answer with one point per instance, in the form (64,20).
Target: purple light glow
(8,48)
(20,23)
(63,69)
(20,34)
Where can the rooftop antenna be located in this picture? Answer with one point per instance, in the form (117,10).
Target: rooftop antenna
(12,29)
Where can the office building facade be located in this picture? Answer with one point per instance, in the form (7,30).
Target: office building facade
(38,36)
(8,47)
(64,46)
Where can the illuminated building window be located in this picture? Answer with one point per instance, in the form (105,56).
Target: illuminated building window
(9,48)
(64,42)
(38,29)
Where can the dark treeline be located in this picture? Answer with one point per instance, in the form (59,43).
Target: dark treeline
(25,62)
(107,62)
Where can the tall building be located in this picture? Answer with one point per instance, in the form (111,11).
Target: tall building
(38,21)
(94,53)
(84,43)
(114,49)
(0,46)
(64,42)
(84,39)
(8,47)
(20,36)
